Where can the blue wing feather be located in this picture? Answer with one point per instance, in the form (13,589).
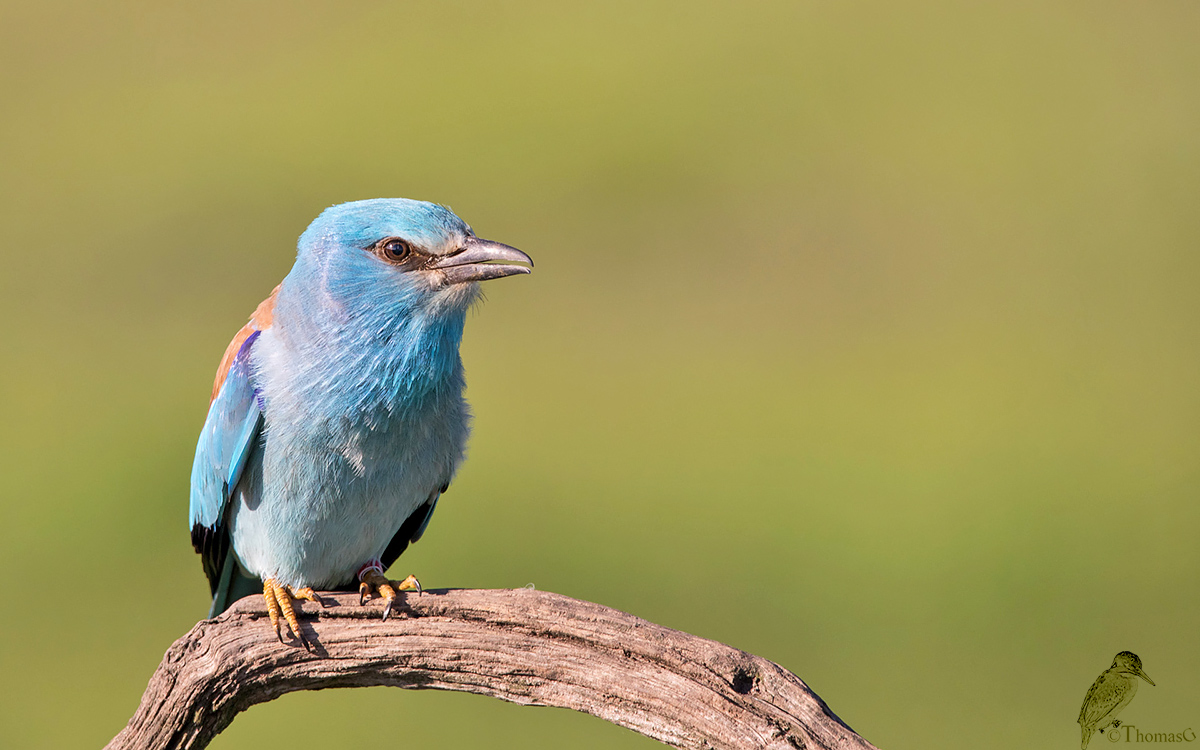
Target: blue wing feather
(227,440)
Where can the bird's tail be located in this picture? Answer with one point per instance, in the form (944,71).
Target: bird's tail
(232,586)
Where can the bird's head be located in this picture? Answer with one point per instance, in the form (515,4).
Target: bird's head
(400,253)
(1128,663)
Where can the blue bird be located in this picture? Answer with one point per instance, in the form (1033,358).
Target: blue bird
(337,417)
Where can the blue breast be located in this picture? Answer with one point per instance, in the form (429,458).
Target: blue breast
(364,421)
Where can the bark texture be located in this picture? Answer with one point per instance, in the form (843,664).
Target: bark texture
(519,645)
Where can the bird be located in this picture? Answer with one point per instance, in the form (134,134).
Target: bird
(1110,693)
(337,416)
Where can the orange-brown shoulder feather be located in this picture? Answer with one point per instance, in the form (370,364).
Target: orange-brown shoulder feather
(261,320)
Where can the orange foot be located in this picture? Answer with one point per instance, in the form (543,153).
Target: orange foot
(279,602)
(372,578)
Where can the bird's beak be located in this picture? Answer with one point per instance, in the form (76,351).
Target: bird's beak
(1145,677)
(476,262)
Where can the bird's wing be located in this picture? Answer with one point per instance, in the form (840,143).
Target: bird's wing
(230,433)
(412,528)
(1102,700)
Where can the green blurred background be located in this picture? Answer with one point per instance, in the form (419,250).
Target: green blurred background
(863,337)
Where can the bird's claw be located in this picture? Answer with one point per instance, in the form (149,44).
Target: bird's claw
(372,579)
(279,607)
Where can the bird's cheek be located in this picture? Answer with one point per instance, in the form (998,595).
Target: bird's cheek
(457,296)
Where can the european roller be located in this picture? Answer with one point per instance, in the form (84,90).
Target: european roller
(337,417)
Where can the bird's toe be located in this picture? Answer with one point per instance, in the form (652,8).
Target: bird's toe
(279,607)
(373,580)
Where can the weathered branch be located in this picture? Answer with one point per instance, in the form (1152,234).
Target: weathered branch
(524,646)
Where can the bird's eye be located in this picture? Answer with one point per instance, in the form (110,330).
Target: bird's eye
(395,249)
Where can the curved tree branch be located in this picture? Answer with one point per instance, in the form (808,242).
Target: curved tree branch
(519,645)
